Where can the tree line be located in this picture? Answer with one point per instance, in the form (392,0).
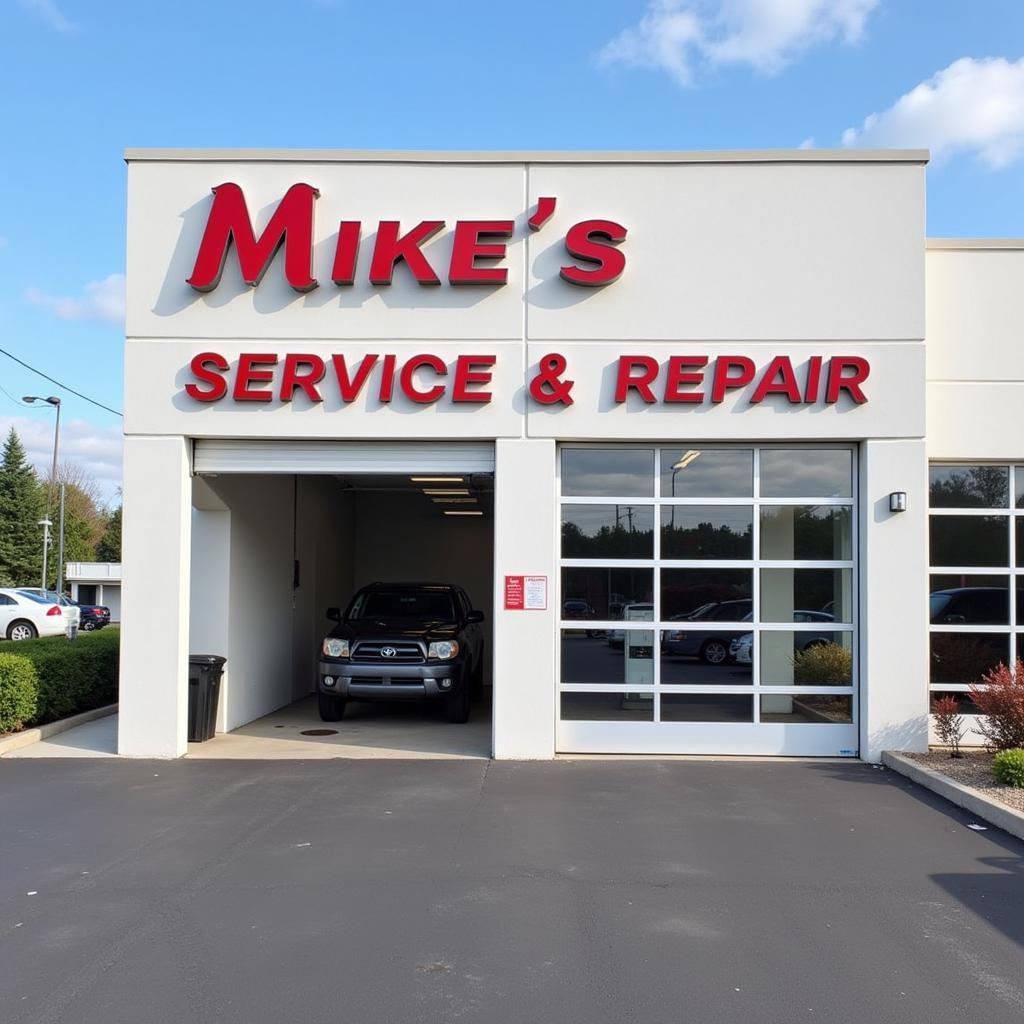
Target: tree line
(92,533)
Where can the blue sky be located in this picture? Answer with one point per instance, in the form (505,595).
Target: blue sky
(80,81)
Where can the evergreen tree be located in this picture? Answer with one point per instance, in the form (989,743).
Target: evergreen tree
(21,507)
(109,547)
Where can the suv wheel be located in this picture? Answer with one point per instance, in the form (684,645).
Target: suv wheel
(332,709)
(457,704)
(714,652)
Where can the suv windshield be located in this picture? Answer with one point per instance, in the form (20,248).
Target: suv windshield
(419,605)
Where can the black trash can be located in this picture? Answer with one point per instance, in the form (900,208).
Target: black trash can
(204,672)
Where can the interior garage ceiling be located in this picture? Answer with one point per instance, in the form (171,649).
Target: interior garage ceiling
(443,492)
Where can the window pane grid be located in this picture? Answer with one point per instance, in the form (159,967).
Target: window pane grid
(664,482)
(994,489)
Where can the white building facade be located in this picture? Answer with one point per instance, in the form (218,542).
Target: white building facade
(703,421)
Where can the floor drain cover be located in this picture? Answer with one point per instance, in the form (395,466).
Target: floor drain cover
(319,732)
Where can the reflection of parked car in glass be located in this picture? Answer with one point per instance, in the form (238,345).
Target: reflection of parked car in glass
(576,610)
(641,612)
(711,646)
(741,648)
(965,605)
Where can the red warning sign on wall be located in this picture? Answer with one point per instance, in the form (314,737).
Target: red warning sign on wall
(526,593)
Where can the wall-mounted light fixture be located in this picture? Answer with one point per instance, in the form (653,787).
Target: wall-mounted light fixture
(898,501)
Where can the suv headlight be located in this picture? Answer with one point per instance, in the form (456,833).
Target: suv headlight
(444,650)
(334,648)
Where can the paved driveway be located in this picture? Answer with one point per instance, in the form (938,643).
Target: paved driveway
(586,891)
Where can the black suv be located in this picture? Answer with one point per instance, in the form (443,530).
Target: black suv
(399,641)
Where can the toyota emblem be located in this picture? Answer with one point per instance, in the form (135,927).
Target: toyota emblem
(388,652)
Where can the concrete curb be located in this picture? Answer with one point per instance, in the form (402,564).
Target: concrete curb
(971,800)
(17,740)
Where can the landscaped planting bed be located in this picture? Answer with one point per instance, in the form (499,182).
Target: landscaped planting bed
(973,769)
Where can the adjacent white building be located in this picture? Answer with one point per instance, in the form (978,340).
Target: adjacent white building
(96,583)
(699,432)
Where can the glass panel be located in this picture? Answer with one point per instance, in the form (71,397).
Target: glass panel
(707,707)
(812,708)
(968,486)
(791,658)
(611,472)
(969,540)
(608,659)
(707,531)
(688,472)
(1020,537)
(607,531)
(806,473)
(966,706)
(607,707)
(965,657)
(807,532)
(969,600)
(706,657)
(807,595)
(706,594)
(609,591)
(1018,474)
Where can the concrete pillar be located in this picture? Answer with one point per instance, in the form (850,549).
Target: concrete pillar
(155,613)
(525,543)
(893,599)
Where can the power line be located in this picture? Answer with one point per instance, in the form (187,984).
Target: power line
(52,380)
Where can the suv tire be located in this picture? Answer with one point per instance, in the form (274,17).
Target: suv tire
(457,704)
(331,708)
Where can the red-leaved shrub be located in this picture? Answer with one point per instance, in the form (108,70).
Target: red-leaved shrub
(1000,699)
(949,725)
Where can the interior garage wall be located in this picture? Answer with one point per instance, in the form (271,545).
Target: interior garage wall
(324,541)
(399,538)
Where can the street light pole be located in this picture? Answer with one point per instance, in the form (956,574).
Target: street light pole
(47,522)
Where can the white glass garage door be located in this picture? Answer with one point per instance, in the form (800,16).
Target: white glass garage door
(708,599)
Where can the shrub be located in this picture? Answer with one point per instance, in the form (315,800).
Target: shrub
(1008,767)
(18,692)
(1000,699)
(74,676)
(824,665)
(949,725)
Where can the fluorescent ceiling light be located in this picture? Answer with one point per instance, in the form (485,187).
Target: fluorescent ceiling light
(436,479)
(429,490)
(454,501)
(451,513)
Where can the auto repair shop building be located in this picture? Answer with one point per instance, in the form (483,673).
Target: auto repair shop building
(700,433)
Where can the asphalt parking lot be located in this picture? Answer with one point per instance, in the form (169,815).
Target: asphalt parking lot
(138,892)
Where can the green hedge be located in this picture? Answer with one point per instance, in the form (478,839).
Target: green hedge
(73,676)
(18,692)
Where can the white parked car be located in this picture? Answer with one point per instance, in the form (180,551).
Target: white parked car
(25,615)
(70,610)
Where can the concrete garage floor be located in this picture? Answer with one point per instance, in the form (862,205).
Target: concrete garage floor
(256,892)
(417,730)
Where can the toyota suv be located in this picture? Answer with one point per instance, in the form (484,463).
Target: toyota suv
(400,641)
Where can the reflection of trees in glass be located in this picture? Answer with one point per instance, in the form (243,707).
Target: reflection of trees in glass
(963,657)
(618,541)
(706,540)
(969,487)
(825,664)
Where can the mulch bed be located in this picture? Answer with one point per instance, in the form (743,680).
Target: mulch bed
(974,769)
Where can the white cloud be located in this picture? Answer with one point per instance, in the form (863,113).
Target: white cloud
(96,449)
(974,106)
(51,14)
(682,37)
(101,300)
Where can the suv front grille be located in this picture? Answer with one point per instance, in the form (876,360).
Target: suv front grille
(371,653)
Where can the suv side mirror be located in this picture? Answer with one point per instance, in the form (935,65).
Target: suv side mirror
(334,614)
(475,616)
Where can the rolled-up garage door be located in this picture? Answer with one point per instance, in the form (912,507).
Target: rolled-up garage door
(241,456)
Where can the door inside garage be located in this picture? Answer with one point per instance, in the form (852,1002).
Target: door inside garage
(283,531)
